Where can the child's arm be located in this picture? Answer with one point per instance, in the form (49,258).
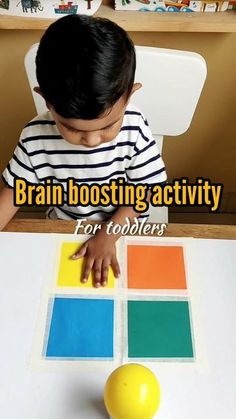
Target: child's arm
(100,250)
(7,208)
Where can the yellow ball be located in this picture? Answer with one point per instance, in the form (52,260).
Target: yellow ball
(132,392)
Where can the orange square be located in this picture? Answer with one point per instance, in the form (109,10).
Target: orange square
(156,267)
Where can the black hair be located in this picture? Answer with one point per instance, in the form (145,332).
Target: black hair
(84,65)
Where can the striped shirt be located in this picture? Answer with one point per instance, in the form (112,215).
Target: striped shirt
(43,153)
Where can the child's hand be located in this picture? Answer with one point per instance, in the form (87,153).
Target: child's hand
(100,253)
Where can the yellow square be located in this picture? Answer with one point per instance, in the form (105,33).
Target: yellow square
(70,270)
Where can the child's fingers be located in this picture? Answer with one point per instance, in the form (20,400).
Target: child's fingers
(87,269)
(115,267)
(97,271)
(105,270)
(81,252)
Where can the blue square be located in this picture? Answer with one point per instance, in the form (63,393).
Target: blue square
(81,328)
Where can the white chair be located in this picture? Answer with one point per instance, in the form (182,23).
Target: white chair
(172,83)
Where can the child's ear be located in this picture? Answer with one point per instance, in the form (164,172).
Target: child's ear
(37,90)
(136,86)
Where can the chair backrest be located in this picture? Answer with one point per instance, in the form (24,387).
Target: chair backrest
(31,74)
(172,83)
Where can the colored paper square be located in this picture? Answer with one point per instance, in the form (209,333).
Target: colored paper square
(81,328)
(70,271)
(159,329)
(156,267)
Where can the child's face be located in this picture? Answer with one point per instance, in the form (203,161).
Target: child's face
(92,133)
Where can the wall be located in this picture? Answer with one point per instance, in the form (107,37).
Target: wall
(208,148)
(16,104)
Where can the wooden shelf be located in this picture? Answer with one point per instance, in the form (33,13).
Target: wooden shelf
(171,22)
(142,21)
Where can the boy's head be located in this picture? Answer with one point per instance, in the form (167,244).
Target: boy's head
(85,68)
(84,65)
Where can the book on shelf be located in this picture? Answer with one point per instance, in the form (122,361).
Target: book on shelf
(186,6)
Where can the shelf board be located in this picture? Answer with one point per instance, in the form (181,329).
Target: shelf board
(142,21)
(170,21)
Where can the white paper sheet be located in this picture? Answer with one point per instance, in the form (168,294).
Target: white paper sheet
(202,389)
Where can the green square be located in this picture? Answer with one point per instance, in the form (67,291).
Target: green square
(159,329)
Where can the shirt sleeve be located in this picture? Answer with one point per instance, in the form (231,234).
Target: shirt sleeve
(20,166)
(146,165)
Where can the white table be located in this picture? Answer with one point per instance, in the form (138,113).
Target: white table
(204,389)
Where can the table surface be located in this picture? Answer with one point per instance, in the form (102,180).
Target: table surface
(205,388)
(173,230)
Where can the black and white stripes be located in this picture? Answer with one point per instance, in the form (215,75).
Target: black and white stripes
(43,153)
